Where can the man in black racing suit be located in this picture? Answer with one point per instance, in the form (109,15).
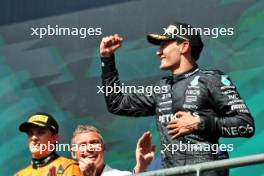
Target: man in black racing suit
(194,107)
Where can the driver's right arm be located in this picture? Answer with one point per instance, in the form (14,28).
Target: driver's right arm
(118,102)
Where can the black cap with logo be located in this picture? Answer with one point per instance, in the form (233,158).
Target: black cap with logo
(42,120)
(178,32)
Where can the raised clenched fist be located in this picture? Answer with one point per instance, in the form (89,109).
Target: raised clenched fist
(87,167)
(109,45)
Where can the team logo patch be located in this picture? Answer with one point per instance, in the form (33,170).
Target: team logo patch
(171,29)
(195,81)
(40,118)
(60,170)
(225,81)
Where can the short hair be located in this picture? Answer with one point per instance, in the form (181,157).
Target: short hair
(86,129)
(195,50)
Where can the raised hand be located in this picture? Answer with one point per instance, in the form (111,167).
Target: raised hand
(87,167)
(109,45)
(144,153)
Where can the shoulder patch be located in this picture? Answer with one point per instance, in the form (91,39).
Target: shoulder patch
(216,77)
(195,81)
(224,80)
(60,170)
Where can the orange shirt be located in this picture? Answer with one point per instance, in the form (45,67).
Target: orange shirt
(64,167)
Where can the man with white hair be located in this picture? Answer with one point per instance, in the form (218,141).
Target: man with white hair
(88,148)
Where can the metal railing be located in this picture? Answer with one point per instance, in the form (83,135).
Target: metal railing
(213,165)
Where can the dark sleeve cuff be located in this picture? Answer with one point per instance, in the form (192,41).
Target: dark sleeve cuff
(108,65)
(201,125)
(206,124)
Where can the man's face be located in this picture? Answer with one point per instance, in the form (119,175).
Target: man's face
(170,54)
(90,146)
(39,140)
